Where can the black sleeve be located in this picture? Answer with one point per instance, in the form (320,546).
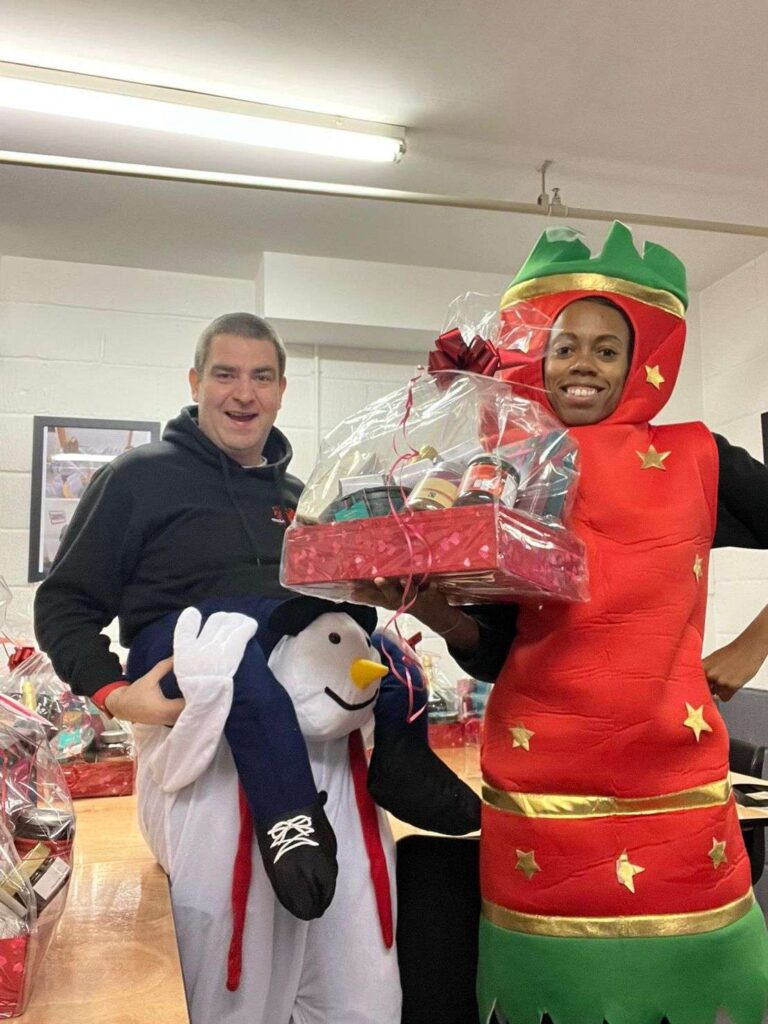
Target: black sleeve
(81,594)
(497,624)
(742,499)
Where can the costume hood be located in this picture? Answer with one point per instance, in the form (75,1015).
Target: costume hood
(649,288)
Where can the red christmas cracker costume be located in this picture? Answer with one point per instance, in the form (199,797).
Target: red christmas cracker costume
(614,879)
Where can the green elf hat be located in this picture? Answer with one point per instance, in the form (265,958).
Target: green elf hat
(561,262)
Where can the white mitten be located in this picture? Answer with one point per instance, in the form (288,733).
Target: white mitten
(204,665)
(213,654)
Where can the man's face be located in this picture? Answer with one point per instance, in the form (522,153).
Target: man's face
(238,394)
(587,362)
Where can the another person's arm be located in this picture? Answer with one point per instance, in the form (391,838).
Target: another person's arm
(742,499)
(742,521)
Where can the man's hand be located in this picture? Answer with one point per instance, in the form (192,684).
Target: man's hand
(143,701)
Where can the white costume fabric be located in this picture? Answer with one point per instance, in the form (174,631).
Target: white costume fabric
(333,970)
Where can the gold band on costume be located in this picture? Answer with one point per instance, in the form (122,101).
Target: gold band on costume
(563,805)
(640,926)
(593,283)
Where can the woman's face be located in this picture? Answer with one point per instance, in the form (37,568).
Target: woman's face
(587,362)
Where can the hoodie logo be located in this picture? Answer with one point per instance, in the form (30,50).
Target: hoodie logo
(283,516)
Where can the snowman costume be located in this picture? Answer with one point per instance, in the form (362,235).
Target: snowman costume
(341,967)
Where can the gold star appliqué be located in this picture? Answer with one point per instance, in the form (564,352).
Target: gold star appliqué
(653,376)
(698,568)
(717,854)
(695,721)
(526,862)
(625,872)
(653,459)
(521,737)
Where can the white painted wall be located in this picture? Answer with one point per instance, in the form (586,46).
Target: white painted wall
(734,343)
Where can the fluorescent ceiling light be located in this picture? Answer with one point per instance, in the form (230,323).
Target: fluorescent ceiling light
(135,105)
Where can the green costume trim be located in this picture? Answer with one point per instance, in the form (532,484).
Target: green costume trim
(686,979)
(560,251)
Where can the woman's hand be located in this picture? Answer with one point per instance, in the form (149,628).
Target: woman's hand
(730,667)
(429,606)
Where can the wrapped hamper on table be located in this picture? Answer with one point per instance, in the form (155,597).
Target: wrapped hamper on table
(96,754)
(453,478)
(37,826)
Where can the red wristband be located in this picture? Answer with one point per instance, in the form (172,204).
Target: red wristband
(100,696)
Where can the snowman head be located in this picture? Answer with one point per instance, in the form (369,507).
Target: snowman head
(330,670)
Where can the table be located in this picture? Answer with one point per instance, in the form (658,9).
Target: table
(114,959)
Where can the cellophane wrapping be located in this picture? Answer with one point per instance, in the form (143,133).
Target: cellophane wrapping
(96,754)
(453,478)
(37,829)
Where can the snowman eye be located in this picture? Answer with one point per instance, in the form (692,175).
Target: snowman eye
(334,638)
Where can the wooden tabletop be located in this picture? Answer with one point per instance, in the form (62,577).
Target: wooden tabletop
(114,959)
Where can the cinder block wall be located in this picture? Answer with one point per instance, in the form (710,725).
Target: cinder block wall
(116,343)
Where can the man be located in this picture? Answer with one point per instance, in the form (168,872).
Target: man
(197,515)
(198,519)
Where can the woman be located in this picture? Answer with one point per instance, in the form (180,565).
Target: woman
(614,880)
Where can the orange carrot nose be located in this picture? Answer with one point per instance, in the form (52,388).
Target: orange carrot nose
(363,672)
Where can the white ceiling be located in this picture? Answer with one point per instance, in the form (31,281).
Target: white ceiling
(656,107)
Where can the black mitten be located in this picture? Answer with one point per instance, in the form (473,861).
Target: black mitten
(299,855)
(408,779)
(405,776)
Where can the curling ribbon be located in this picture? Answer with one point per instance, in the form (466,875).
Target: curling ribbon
(19,655)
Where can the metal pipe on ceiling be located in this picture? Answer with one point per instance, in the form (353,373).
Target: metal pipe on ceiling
(330,189)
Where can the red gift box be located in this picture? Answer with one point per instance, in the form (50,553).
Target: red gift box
(113,777)
(14,977)
(476,552)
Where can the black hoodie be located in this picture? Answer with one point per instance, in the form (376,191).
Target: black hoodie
(162,527)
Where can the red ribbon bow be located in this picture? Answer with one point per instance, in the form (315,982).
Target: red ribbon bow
(19,654)
(452,353)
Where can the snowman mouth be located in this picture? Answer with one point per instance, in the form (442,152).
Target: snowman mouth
(350,707)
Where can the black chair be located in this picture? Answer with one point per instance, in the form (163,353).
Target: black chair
(749,759)
(438,895)
(746,758)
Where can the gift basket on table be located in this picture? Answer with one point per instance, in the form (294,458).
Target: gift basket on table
(455,708)
(96,753)
(37,827)
(452,478)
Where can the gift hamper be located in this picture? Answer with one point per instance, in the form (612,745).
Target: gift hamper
(454,478)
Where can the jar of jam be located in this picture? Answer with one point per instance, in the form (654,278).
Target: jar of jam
(489,478)
(437,489)
(48,825)
(112,743)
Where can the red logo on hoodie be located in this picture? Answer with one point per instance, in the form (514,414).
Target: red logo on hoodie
(283,516)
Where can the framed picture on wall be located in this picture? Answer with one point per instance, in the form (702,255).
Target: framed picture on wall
(65,455)
(764,423)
